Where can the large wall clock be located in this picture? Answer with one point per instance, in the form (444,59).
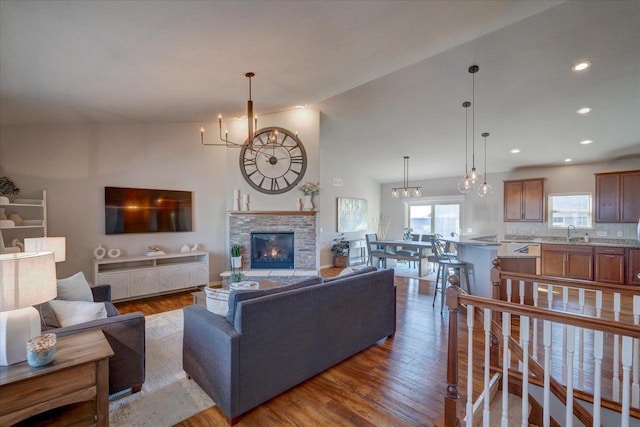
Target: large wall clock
(274,162)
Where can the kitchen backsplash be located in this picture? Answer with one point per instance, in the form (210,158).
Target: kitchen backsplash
(602,231)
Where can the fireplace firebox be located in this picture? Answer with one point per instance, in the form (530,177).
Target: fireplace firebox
(271,249)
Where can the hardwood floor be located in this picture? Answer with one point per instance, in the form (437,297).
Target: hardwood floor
(398,382)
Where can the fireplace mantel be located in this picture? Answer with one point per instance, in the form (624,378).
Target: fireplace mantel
(284,213)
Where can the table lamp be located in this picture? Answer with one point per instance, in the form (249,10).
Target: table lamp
(26,279)
(47,244)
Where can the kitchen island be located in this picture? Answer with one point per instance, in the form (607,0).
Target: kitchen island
(479,253)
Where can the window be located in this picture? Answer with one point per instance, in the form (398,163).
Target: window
(434,218)
(570,209)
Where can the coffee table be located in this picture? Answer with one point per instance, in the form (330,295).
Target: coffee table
(200,297)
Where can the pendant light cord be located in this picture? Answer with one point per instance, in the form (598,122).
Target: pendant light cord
(473,117)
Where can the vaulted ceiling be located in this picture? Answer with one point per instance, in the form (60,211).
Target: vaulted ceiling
(388,76)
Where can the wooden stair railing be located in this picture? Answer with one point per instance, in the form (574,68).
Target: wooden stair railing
(456,300)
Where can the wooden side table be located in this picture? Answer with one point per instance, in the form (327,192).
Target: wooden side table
(79,373)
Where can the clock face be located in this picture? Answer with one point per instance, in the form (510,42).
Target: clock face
(275,162)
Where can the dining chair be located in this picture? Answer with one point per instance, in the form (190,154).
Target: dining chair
(374,250)
(446,264)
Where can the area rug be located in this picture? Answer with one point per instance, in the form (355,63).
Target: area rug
(405,270)
(167,396)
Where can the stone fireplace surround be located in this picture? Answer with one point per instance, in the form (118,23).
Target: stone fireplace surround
(302,223)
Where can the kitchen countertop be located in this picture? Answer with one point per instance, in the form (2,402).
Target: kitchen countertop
(619,243)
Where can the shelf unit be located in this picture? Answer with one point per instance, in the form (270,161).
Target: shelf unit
(134,277)
(34,215)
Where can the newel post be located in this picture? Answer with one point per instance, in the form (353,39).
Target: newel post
(452,399)
(495,279)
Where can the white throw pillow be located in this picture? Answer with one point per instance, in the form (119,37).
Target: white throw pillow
(73,312)
(74,288)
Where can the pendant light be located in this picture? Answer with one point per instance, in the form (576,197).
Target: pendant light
(406,190)
(475,177)
(464,186)
(485,189)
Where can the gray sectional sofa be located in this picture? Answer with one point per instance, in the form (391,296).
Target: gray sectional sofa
(124,332)
(284,336)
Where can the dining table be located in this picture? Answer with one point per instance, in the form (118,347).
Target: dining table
(391,248)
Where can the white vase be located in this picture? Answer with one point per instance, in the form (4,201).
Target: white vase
(308,203)
(236,261)
(99,252)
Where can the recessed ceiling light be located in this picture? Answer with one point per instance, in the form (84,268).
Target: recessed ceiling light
(584,110)
(514,151)
(586,141)
(581,66)
(567,160)
(301,107)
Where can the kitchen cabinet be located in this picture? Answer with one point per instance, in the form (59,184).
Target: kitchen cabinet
(575,262)
(609,265)
(524,200)
(618,196)
(633,267)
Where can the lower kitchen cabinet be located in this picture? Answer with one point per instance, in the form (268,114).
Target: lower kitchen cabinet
(609,265)
(633,267)
(575,262)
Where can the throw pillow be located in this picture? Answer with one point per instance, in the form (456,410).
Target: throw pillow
(74,288)
(242,295)
(73,312)
(352,271)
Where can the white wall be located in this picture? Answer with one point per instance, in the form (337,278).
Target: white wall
(75,162)
(354,174)
(485,215)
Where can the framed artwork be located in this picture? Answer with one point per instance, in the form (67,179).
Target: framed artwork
(352,215)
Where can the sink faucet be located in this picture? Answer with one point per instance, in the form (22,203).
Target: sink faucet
(569,232)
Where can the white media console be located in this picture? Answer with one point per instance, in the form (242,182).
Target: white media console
(137,276)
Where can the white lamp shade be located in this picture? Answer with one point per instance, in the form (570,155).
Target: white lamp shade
(57,245)
(26,279)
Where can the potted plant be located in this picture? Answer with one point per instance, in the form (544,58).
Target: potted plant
(7,188)
(236,276)
(340,250)
(236,255)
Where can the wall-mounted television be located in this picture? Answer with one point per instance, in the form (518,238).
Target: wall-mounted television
(141,210)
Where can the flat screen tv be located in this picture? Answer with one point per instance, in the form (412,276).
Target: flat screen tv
(140,210)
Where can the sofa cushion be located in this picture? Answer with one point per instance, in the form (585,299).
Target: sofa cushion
(242,295)
(48,319)
(352,271)
(71,313)
(74,288)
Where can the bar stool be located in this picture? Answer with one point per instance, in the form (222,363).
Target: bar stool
(445,264)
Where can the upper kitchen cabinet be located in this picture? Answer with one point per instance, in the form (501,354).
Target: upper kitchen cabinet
(618,196)
(524,200)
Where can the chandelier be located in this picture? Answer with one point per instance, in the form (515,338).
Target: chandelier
(485,189)
(406,190)
(465,186)
(252,125)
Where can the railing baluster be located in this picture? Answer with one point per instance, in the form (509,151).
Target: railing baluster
(535,322)
(627,349)
(550,297)
(599,304)
(565,304)
(521,289)
(571,347)
(581,298)
(598,347)
(546,337)
(506,333)
(486,414)
(616,350)
(635,390)
(470,322)
(509,290)
(524,335)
